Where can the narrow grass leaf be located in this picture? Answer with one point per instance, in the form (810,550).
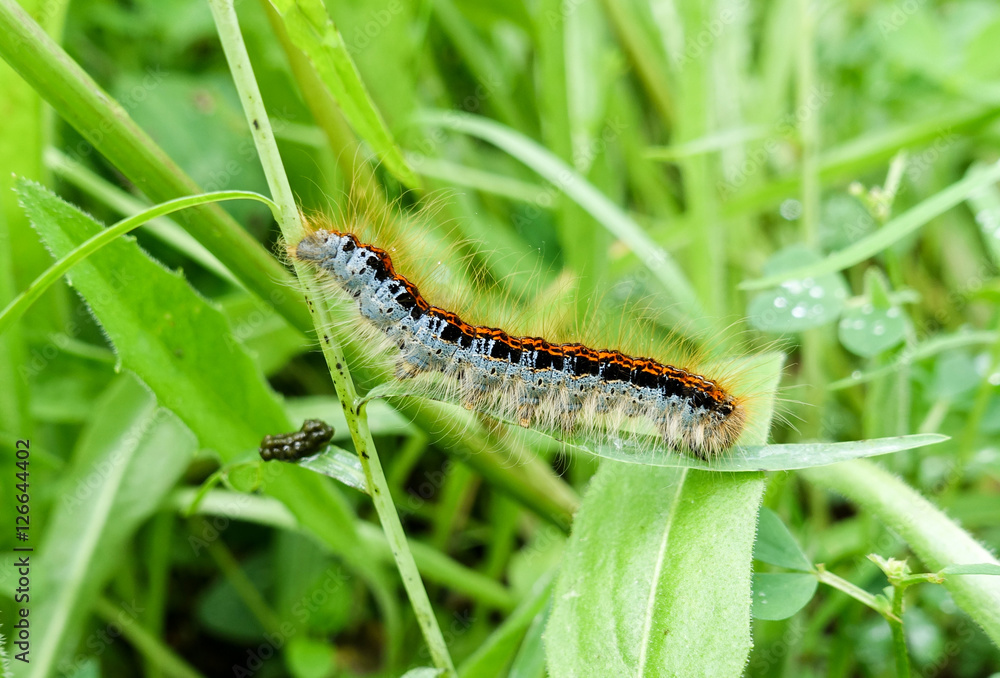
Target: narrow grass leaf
(530,659)
(773,457)
(868,151)
(779,595)
(910,355)
(607,213)
(977,568)
(128,459)
(494,654)
(312,31)
(894,231)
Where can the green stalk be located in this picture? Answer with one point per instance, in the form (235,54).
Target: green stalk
(898,636)
(854,591)
(149,646)
(293,230)
(936,540)
(102,121)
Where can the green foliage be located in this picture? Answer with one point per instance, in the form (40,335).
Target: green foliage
(815,180)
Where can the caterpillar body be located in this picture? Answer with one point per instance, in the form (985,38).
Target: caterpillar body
(560,387)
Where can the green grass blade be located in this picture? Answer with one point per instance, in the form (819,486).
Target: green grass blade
(109,129)
(19,305)
(885,237)
(937,540)
(927,349)
(608,214)
(163,331)
(495,653)
(311,30)
(867,152)
(143,451)
(122,202)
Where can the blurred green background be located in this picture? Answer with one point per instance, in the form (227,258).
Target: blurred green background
(743,138)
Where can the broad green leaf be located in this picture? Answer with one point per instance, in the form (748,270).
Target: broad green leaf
(129,457)
(311,29)
(955,374)
(309,658)
(933,536)
(779,595)
(656,577)
(798,304)
(163,331)
(868,331)
(776,545)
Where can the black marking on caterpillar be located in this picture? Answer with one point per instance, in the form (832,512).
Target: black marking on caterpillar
(560,387)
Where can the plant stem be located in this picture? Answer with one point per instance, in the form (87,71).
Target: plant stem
(856,592)
(292,228)
(937,540)
(898,636)
(149,646)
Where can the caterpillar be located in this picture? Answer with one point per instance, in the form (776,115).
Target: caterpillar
(308,440)
(565,388)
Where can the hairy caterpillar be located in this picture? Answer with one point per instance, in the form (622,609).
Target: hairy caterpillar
(561,387)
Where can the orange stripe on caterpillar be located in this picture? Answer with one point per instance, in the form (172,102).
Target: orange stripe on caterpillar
(552,386)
